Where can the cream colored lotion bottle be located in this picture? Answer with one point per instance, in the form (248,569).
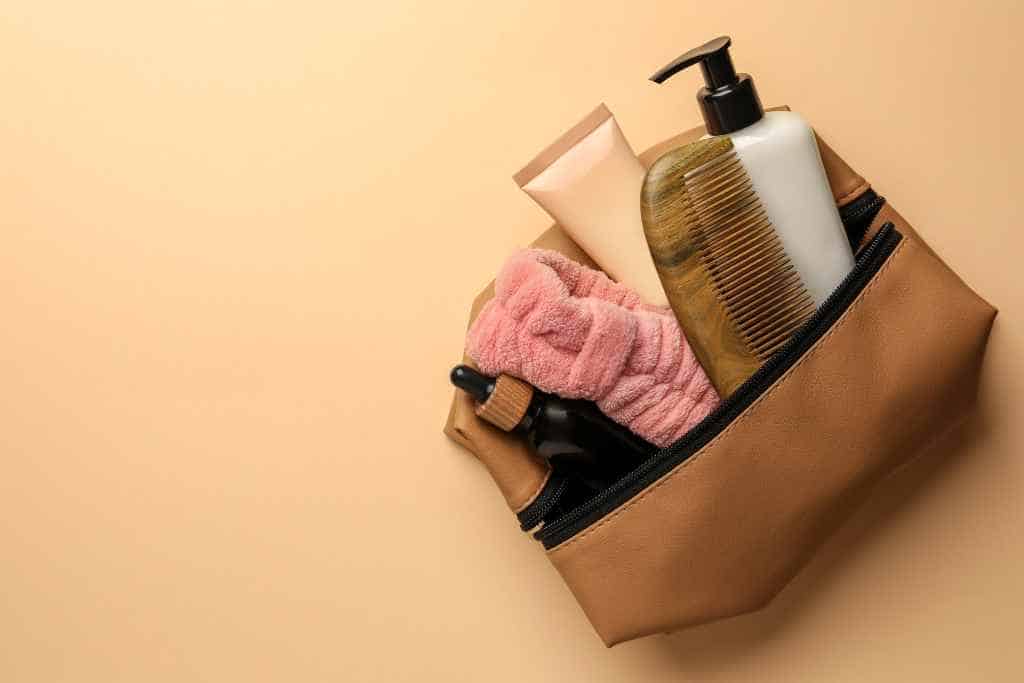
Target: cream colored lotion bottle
(589,182)
(780,154)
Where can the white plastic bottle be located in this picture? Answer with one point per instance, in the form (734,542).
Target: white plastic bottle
(780,154)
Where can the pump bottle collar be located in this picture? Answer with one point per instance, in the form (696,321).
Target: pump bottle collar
(728,100)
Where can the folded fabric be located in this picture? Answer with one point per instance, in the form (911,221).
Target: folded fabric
(571,331)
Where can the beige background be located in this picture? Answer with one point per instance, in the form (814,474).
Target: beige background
(238,242)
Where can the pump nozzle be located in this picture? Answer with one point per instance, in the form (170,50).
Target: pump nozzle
(714,60)
(728,100)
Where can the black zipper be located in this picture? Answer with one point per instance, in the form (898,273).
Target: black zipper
(534,513)
(858,215)
(869,262)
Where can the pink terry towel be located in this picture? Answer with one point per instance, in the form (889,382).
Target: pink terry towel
(572,331)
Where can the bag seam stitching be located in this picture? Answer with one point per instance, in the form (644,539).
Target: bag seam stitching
(861,186)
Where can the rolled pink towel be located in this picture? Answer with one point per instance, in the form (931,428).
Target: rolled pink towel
(572,331)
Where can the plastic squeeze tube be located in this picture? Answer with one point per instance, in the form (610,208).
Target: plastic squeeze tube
(589,181)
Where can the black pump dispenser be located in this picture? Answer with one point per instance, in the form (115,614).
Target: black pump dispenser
(728,100)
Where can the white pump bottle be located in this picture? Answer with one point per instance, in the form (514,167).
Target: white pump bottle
(780,154)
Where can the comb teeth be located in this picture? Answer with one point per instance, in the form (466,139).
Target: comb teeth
(761,291)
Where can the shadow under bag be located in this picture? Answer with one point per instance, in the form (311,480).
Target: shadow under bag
(716,524)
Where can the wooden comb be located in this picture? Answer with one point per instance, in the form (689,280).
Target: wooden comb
(724,269)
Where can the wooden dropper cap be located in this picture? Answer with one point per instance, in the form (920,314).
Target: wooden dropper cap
(502,401)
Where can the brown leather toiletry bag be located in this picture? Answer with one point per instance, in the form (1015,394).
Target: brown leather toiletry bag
(719,522)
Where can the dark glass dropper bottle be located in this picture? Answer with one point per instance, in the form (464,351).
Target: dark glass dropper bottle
(567,429)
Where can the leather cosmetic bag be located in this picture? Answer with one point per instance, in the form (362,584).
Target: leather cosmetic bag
(718,523)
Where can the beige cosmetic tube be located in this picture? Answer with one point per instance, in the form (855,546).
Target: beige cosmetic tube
(589,181)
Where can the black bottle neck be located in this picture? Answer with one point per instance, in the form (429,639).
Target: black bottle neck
(731,106)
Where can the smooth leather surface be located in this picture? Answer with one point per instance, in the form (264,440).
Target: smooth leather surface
(723,533)
(727,529)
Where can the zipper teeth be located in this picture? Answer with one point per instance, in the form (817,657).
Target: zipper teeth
(857,216)
(566,526)
(533,514)
(860,211)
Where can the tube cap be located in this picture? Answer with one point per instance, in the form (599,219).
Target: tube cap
(728,101)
